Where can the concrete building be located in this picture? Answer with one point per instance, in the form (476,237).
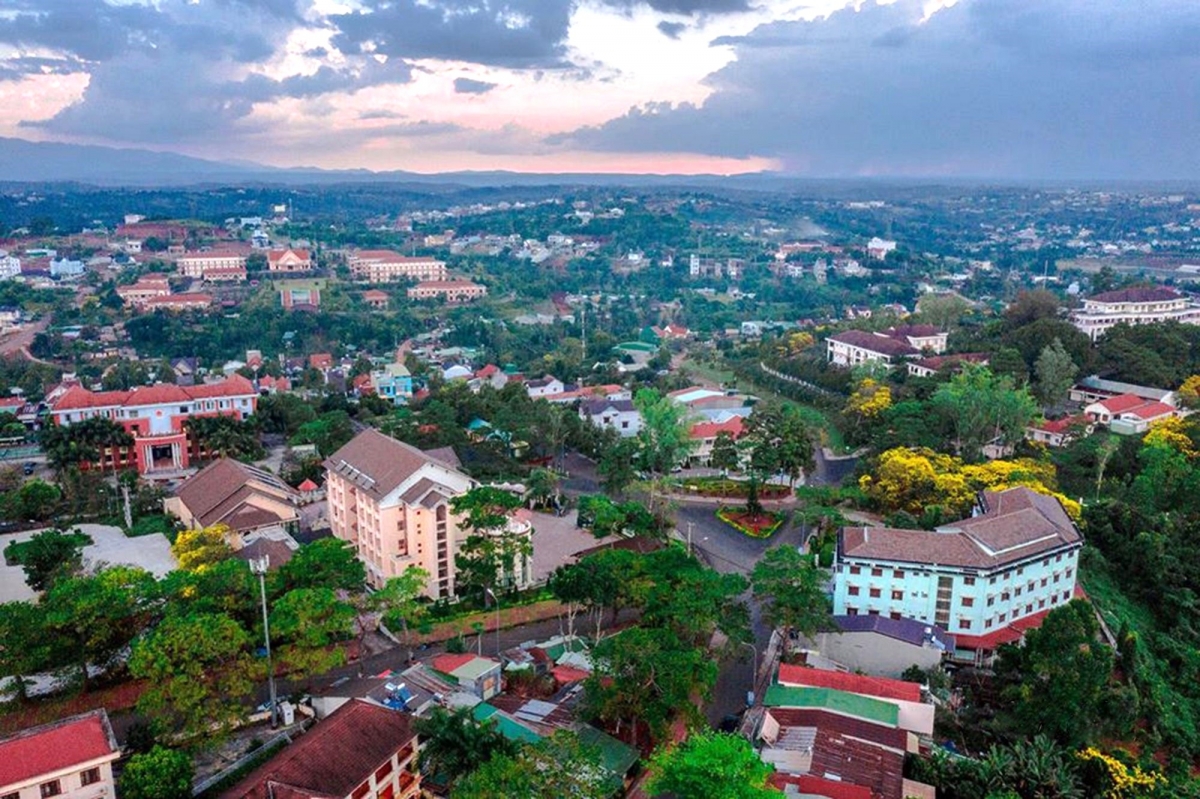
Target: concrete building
(10,266)
(362,750)
(447,290)
(376,299)
(178,302)
(69,758)
(878,248)
(392,502)
(855,347)
(155,416)
(386,266)
(217,265)
(393,382)
(238,495)
(66,268)
(619,415)
(1013,561)
(1134,306)
(1129,414)
(147,287)
(289,260)
(883,645)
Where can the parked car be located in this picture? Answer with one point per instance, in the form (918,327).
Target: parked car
(29,467)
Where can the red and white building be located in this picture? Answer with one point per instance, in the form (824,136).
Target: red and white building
(289,260)
(448,290)
(215,266)
(155,416)
(1129,414)
(69,758)
(1134,306)
(147,287)
(387,266)
(705,435)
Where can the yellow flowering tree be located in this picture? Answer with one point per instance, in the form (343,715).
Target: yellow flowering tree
(1109,778)
(1189,392)
(1172,433)
(198,549)
(869,399)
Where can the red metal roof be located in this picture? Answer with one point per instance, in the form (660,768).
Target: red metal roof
(78,397)
(819,786)
(447,663)
(56,747)
(734,427)
(884,687)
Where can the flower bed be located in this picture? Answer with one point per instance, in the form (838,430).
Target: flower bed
(761,525)
(733,489)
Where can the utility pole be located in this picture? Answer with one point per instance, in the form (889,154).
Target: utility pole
(689,524)
(259,567)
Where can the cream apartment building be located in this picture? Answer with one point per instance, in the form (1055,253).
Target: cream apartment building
(386,266)
(392,502)
(1134,306)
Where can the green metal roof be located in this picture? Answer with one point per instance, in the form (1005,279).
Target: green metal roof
(864,707)
(512,730)
(616,757)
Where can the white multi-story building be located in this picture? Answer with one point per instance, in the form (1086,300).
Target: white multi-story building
(985,579)
(214,265)
(10,266)
(386,266)
(878,248)
(1134,306)
(618,414)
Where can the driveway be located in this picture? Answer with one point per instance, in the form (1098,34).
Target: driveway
(110,547)
(556,540)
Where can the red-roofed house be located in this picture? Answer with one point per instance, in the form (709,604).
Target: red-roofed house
(1129,414)
(155,416)
(705,435)
(71,758)
(289,260)
(376,299)
(320,360)
(361,750)
(1059,432)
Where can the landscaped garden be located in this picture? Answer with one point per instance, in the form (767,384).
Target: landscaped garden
(727,487)
(15,552)
(760,524)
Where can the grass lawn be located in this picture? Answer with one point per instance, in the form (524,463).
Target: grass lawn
(14,553)
(760,525)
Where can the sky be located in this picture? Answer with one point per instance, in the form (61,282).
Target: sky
(1003,89)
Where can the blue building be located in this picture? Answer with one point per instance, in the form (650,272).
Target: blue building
(394,383)
(985,579)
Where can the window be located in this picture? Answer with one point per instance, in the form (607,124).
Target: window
(897,595)
(1021,570)
(964,624)
(877,572)
(1004,597)
(991,601)
(52,788)
(855,570)
(895,614)
(875,592)
(968,581)
(987,623)
(1041,604)
(90,777)
(852,590)
(1029,608)
(991,581)
(897,574)
(1045,580)
(1017,592)
(872,613)
(851,611)
(1068,572)
(1003,617)
(13,795)
(968,602)
(183,409)
(1058,559)
(1057,577)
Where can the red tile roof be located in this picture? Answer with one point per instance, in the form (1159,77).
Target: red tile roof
(1152,410)
(819,786)
(333,758)
(874,343)
(77,397)
(883,687)
(1061,425)
(447,663)
(734,426)
(55,747)
(1143,294)
(569,674)
(1121,403)
(278,255)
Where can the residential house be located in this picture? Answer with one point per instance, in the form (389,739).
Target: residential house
(926,338)
(289,260)
(392,502)
(321,361)
(476,675)
(1059,432)
(155,417)
(376,299)
(393,382)
(66,269)
(238,495)
(855,347)
(1094,389)
(545,387)
(1129,414)
(491,375)
(1013,561)
(704,434)
(672,332)
(878,248)
(178,302)
(386,266)
(213,266)
(928,367)
(72,758)
(362,750)
(884,645)
(448,290)
(618,415)
(1134,306)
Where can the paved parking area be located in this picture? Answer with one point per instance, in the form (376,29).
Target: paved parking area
(556,539)
(110,547)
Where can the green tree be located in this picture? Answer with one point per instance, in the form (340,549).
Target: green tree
(693,600)
(24,647)
(1055,374)
(399,603)
(51,555)
(595,583)
(779,440)
(713,765)
(983,407)
(644,678)
(791,590)
(198,669)
(942,310)
(36,500)
(725,455)
(1057,680)
(91,619)
(541,487)
(225,436)
(328,432)
(617,467)
(160,773)
(491,555)
(310,624)
(553,768)
(454,745)
(664,438)
(82,442)
(324,563)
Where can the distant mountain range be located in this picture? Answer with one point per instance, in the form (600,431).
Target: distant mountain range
(24,161)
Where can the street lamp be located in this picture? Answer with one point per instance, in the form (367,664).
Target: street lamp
(495,599)
(259,567)
(753,673)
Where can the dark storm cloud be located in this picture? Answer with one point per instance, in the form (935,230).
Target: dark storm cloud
(507,33)
(470,86)
(1058,88)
